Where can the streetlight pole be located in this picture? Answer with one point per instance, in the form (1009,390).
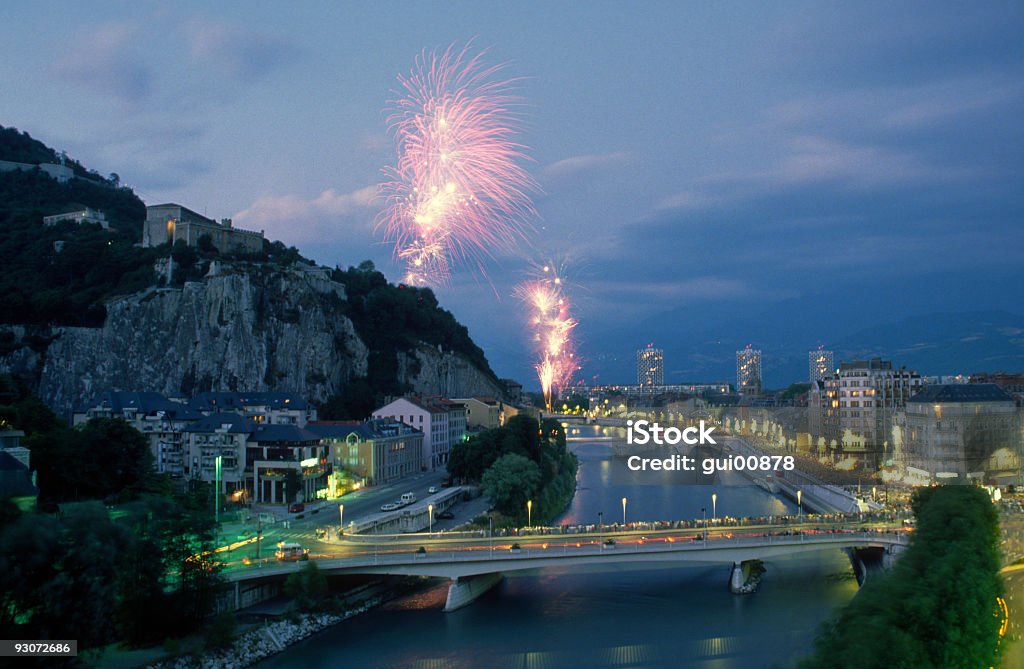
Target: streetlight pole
(529,513)
(799,505)
(216,496)
(216,479)
(704,510)
(623,513)
(490,531)
(714,506)
(341,519)
(430,519)
(600,529)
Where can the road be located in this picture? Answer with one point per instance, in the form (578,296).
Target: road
(291,527)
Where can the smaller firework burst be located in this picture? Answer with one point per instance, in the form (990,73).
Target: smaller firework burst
(552,326)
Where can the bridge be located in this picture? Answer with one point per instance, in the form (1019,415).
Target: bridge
(475,564)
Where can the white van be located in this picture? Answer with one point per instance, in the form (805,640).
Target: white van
(290,551)
(408,498)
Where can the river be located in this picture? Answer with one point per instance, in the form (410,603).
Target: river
(634,618)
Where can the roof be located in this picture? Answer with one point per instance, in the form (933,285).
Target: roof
(233,401)
(283,434)
(237,423)
(490,401)
(184,210)
(339,429)
(375,428)
(15,481)
(117,401)
(962,392)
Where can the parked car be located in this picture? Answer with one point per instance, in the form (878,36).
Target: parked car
(296,507)
(388,507)
(445,515)
(431,490)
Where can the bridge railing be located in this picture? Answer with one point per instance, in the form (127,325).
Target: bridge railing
(504,552)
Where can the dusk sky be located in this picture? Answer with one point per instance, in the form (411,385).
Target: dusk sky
(698,161)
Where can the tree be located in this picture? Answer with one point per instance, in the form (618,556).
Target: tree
(292,484)
(221,631)
(206,247)
(356,401)
(938,607)
(510,482)
(308,587)
(106,457)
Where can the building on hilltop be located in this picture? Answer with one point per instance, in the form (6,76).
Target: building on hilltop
(79,215)
(168,223)
(650,367)
(60,173)
(959,432)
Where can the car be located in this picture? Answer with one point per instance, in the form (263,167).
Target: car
(296,507)
(445,515)
(388,507)
(431,490)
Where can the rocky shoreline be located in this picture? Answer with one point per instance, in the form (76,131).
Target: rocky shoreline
(257,645)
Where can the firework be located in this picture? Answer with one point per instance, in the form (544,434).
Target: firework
(457,191)
(552,326)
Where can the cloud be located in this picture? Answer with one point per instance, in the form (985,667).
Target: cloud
(297,220)
(103,60)
(689,199)
(234,51)
(586,163)
(674,292)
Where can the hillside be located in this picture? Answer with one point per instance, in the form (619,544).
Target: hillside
(86,309)
(61,274)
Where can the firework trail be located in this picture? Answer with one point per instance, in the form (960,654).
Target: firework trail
(457,191)
(552,326)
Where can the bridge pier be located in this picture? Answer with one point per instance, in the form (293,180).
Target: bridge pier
(872,560)
(467,589)
(745,577)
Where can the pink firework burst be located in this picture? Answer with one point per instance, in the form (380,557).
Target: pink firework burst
(552,325)
(457,191)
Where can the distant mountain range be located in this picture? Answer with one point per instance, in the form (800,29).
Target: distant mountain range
(937,325)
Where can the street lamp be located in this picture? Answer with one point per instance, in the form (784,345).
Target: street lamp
(600,529)
(529,513)
(623,512)
(341,519)
(704,510)
(490,531)
(714,506)
(216,496)
(799,504)
(430,518)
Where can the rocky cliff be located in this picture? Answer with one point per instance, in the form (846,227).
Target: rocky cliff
(261,329)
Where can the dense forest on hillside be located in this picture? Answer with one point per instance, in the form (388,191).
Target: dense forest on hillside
(64,283)
(391,319)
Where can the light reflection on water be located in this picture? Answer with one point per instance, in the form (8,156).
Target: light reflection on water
(634,616)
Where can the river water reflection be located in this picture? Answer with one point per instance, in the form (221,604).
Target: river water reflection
(636,617)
